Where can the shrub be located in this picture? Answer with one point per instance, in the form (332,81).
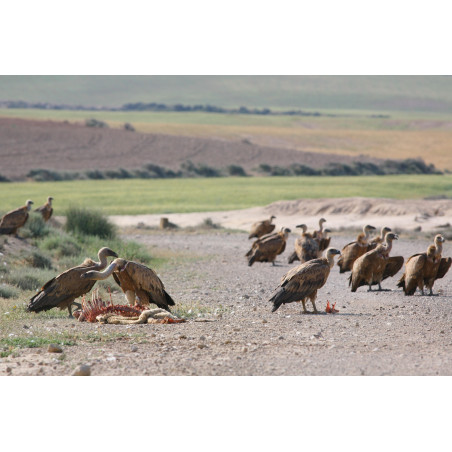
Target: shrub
(61,245)
(303,170)
(129,127)
(29,279)
(235,170)
(96,174)
(4,179)
(95,123)
(8,291)
(87,222)
(190,169)
(38,260)
(36,226)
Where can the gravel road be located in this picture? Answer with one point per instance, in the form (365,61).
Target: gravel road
(383,333)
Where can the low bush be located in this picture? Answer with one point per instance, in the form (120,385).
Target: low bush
(4,179)
(35,227)
(28,278)
(87,222)
(8,291)
(96,123)
(236,170)
(38,259)
(61,245)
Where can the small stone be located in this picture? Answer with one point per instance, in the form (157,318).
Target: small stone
(246,296)
(25,327)
(244,349)
(281,338)
(53,348)
(227,342)
(202,345)
(82,371)
(264,321)
(182,336)
(236,329)
(134,349)
(202,338)
(8,370)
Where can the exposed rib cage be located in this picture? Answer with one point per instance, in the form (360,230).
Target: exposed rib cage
(97,306)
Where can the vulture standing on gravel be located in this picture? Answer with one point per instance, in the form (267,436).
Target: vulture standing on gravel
(355,249)
(319,234)
(306,247)
(261,228)
(12,221)
(46,210)
(375,265)
(424,269)
(61,291)
(138,282)
(266,250)
(304,281)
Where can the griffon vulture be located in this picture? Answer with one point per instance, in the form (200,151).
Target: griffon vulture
(379,239)
(374,266)
(355,249)
(261,228)
(306,248)
(46,210)
(62,290)
(324,242)
(267,249)
(424,269)
(12,221)
(319,234)
(304,281)
(137,282)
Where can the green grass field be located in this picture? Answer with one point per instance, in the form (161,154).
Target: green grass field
(128,197)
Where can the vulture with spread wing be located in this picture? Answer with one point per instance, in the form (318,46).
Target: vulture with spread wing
(138,282)
(12,221)
(61,291)
(303,281)
(375,266)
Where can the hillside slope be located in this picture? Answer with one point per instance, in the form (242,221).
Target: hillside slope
(371,93)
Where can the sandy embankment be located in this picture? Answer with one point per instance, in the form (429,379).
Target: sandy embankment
(339,212)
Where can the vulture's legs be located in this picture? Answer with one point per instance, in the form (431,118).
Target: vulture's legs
(79,306)
(130,296)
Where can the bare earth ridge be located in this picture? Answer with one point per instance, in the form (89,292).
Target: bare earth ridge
(26,145)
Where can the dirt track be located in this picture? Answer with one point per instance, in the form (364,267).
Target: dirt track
(373,334)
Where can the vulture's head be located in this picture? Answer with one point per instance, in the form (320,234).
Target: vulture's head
(321,221)
(106,252)
(390,236)
(369,229)
(326,231)
(272,218)
(431,253)
(302,226)
(385,230)
(49,200)
(439,238)
(29,203)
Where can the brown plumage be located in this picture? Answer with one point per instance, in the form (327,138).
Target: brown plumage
(355,249)
(261,228)
(423,269)
(12,221)
(267,250)
(306,248)
(303,281)
(379,239)
(319,234)
(324,242)
(137,281)
(374,266)
(61,291)
(46,210)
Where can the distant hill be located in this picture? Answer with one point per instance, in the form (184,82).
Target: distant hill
(370,93)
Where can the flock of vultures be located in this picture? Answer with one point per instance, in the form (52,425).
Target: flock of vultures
(367,258)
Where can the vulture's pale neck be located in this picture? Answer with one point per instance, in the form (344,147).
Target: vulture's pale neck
(439,247)
(388,245)
(367,232)
(383,234)
(330,258)
(100,276)
(102,255)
